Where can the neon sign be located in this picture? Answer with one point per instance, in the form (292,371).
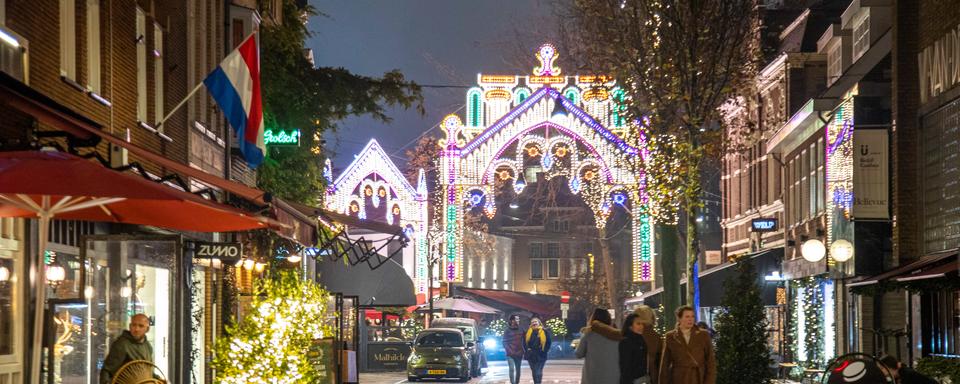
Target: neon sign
(281,137)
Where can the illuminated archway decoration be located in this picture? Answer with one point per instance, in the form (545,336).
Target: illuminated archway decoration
(373,177)
(500,144)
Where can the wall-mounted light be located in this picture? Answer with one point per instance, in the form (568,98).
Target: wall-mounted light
(813,250)
(258,267)
(249,264)
(774,276)
(4,274)
(841,250)
(55,275)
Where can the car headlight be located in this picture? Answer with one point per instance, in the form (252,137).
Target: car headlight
(413,357)
(490,343)
(457,358)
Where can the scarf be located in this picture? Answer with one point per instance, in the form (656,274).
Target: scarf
(540,334)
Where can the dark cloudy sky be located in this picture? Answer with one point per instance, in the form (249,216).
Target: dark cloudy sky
(433,42)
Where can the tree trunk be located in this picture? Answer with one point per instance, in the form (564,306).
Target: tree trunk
(609,272)
(693,251)
(667,238)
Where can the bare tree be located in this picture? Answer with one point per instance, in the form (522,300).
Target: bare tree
(679,61)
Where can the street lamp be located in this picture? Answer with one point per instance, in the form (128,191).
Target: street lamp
(813,250)
(841,250)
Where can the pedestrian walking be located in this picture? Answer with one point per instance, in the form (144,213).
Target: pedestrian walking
(536,345)
(513,347)
(633,352)
(688,356)
(599,350)
(902,374)
(653,340)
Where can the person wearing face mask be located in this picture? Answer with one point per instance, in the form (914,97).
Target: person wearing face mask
(513,347)
(688,356)
(536,342)
(131,345)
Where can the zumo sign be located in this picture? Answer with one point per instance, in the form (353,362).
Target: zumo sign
(217,250)
(763,225)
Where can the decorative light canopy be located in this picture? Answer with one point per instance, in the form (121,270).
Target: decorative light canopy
(373,188)
(557,126)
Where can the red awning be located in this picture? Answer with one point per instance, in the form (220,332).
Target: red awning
(520,300)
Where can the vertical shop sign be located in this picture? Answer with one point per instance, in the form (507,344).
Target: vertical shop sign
(870,175)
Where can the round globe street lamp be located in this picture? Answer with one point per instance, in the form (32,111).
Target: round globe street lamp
(841,250)
(813,250)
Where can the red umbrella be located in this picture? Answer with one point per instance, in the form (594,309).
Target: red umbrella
(48,185)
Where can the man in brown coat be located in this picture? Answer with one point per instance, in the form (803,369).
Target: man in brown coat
(687,353)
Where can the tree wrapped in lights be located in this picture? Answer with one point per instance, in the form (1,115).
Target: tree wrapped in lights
(411,327)
(270,344)
(557,327)
(678,62)
(497,327)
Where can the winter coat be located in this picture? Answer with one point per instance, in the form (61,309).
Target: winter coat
(124,350)
(599,351)
(654,344)
(688,363)
(633,358)
(513,342)
(536,344)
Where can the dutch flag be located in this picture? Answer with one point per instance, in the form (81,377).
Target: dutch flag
(235,85)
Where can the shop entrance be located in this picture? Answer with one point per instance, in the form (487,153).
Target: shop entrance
(113,278)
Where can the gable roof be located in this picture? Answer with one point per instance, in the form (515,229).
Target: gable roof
(374,152)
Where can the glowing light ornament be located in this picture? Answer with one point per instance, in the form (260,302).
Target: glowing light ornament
(620,198)
(475,198)
(519,184)
(547,54)
(547,161)
(575,185)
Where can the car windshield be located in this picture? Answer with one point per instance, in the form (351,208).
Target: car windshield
(439,339)
(466,329)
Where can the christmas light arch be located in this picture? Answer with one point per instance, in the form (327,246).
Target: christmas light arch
(557,123)
(371,185)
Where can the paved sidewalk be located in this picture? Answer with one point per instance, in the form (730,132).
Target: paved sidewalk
(556,372)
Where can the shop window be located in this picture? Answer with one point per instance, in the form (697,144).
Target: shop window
(942,323)
(536,269)
(7,304)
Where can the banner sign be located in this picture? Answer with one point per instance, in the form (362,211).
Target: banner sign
(871,189)
(713,257)
(763,225)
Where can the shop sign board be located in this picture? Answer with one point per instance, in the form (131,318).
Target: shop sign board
(713,257)
(764,224)
(940,65)
(871,187)
(205,250)
(387,356)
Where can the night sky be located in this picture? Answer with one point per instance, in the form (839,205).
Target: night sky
(433,42)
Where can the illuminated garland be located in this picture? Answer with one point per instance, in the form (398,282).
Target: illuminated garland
(557,327)
(497,327)
(813,303)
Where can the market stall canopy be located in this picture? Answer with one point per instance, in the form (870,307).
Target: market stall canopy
(544,305)
(459,304)
(388,286)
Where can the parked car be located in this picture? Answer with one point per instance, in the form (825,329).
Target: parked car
(478,357)
(439,353)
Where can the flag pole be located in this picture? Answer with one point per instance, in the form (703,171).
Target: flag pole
(159,125)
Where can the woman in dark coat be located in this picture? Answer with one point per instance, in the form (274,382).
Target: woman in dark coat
(536,342)
(633,352)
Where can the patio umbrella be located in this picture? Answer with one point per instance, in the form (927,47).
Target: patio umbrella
(47,185)
(458,304)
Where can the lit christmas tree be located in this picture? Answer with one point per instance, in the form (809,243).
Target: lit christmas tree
(272,342)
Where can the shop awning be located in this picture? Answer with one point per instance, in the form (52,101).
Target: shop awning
(460,305)
(933,273)
(388,286)
(906,269)
(300,227)
(537,304)
(712,280)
